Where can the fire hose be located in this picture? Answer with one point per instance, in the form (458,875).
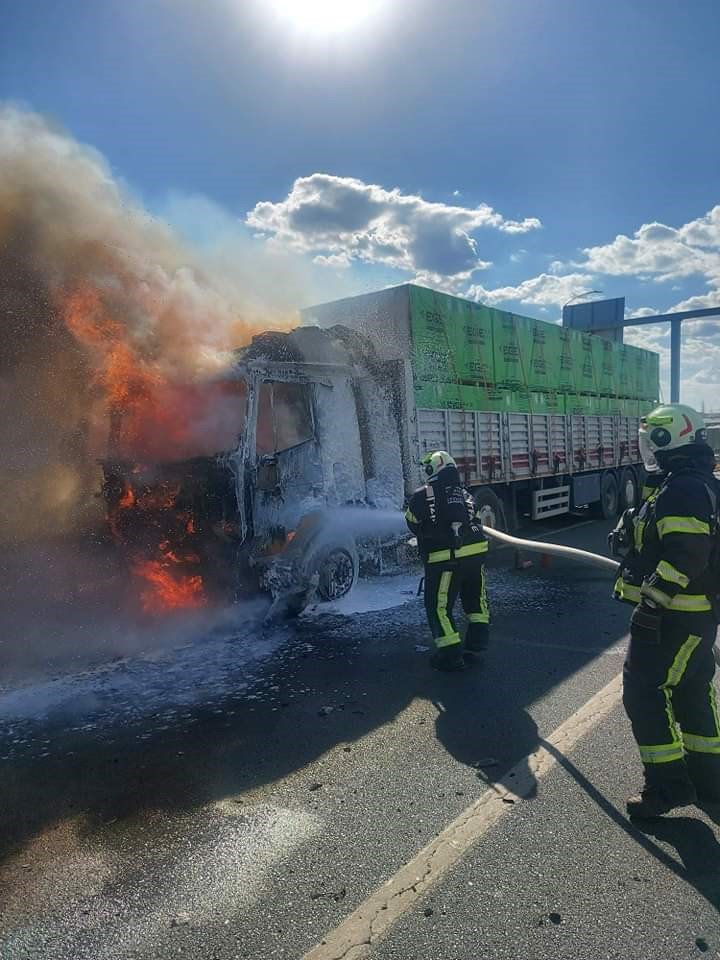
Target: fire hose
(558,550)
(554,549)
(571,553)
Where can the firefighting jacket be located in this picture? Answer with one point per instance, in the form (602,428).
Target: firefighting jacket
(674,539)
(442,516)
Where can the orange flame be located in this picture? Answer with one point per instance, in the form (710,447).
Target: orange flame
(127,500)
(166,591)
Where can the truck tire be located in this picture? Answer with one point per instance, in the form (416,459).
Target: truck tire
(607,506)
(490,508)
(337,567)
(629,489)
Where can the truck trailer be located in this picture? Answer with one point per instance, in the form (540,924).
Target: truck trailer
(541,420)
(324,428)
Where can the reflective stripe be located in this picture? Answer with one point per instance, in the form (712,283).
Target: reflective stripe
(478,618)
(667,752)
(661,753)
(410,517)
(639,532)
(691,603)
(472,550)
(671,574)
(682,525)
(448,641)
(714,706)
(627,591)
(657,595)
(683,602)
(679,664)
(697,744)
(449,636)
(484,608)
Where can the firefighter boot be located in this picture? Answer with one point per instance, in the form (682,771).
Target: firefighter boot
(667,786)
(477,637)
(704,770)
(449,659)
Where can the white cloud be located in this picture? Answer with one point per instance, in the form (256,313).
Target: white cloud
(545,290)
(642,312)
(340,261)
(344,217)
(662,252)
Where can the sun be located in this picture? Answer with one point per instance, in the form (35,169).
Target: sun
(325,16)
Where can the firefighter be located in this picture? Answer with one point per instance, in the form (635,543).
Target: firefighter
(452,544)
(669,574)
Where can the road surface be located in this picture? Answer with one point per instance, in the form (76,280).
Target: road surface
(318,792)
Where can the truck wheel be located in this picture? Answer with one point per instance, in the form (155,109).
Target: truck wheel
(607,507)
(490,508)
(338,572)
(629,489)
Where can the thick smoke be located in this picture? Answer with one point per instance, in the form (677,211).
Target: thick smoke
(100,305)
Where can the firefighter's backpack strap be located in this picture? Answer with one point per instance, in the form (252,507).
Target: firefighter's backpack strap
(430,497)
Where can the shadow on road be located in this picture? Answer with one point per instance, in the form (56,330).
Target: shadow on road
(695,842)
(342,679)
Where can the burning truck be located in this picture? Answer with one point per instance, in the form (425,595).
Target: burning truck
(314,436)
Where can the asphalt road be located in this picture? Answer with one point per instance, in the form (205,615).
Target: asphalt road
(246,794)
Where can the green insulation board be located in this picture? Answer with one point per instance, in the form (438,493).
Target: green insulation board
(456,341)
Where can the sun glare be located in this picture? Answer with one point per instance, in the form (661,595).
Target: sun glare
(325,16)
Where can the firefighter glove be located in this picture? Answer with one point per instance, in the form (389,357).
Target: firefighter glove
(645,622)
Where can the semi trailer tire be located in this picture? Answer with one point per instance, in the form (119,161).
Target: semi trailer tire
(629,489)
(490,508)
(607,506)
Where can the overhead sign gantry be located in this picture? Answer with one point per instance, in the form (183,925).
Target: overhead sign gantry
(606,318)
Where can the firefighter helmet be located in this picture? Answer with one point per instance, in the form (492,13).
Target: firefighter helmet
(671,429)
(434,462)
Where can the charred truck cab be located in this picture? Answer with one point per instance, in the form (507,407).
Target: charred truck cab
(310,439)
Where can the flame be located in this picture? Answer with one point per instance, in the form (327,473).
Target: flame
(167,590)
(127,500)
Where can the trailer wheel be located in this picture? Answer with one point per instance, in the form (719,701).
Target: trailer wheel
(607,507)
(629,488)
(490,508)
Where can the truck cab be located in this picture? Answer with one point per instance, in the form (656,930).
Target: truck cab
(310,460)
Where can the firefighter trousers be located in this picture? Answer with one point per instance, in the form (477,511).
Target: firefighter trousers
(447,580)
(669,697)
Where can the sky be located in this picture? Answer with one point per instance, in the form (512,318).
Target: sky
(517,152)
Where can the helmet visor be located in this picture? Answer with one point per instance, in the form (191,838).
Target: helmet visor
(647,453)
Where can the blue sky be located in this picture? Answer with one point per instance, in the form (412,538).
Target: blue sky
(517,151)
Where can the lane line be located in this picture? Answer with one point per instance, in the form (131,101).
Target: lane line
(614,651)
(354,937)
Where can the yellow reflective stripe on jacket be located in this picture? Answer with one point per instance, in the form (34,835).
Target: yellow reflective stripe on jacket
(687,603)
(690,603)
(652,593)
(661,752)
(671,574)
(471,550)
(697,744)
(627,591)
(682,525)
(410,517)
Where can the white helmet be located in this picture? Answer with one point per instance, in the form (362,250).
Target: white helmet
(671,428)
(434,462)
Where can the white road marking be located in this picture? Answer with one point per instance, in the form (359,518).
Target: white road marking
(352,939)
(613,651)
